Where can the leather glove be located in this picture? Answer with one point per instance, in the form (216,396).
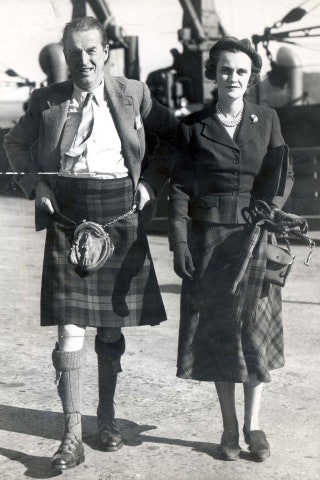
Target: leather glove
(182,261)
(290,220)
(45,198)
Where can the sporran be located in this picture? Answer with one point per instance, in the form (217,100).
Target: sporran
(91,246)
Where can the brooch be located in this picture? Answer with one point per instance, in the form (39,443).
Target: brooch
(253,119)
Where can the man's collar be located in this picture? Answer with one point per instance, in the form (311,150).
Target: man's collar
(80,94)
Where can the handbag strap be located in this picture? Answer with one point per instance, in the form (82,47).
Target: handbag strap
(262,209)
(302,236)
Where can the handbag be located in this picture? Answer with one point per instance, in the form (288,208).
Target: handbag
(279,263)
(91,246)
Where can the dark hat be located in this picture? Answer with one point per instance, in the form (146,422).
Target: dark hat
(244,45)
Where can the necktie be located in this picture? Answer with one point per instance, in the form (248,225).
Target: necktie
(84,131)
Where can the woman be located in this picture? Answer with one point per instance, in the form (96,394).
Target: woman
(230,154)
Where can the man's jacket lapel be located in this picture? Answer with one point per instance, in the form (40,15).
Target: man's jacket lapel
(123,113)
(54,119)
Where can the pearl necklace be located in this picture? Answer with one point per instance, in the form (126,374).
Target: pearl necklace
(229,122)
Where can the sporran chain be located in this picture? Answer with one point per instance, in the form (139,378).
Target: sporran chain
(121,217)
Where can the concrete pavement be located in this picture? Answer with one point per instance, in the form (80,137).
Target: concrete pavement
(171,427)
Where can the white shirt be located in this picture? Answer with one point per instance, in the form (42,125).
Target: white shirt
(103,156)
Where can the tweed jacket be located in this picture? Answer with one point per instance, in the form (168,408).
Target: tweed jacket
(216,177)
(33,144)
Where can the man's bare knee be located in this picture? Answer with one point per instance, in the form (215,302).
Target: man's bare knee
(70,337)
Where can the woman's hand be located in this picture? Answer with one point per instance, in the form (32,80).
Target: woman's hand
(45,198)
(182,261)
(290,220)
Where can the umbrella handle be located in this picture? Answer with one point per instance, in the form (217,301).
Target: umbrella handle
(253,239)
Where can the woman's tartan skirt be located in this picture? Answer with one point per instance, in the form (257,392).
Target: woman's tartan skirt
(215,342)
(124,291)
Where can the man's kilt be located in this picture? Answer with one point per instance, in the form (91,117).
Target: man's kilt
(124,291)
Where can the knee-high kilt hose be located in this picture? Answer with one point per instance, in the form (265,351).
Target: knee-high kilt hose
(215,342)
(124,292)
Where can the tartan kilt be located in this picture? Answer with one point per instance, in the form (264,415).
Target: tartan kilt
(215,342)
(124,291)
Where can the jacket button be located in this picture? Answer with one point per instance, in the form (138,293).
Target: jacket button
(236,161)
(236,173)
(235,194)
(236,183)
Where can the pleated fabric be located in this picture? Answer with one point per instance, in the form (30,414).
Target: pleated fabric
(124,292)
(219,339)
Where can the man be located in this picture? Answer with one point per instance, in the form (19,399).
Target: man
(79,151)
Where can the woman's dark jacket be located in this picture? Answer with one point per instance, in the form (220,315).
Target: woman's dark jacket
(215,177)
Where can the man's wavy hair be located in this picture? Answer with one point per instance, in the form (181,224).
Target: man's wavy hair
(83,24)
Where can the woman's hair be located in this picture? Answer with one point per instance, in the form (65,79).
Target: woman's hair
(232,44)
(83,24)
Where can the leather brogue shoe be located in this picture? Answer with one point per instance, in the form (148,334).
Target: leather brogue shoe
(110,442)
(69,454)
(109,435)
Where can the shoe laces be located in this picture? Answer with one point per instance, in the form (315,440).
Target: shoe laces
(108,424)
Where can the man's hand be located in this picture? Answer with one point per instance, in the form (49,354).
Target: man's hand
(45,198)
(182,261)
(144,194)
